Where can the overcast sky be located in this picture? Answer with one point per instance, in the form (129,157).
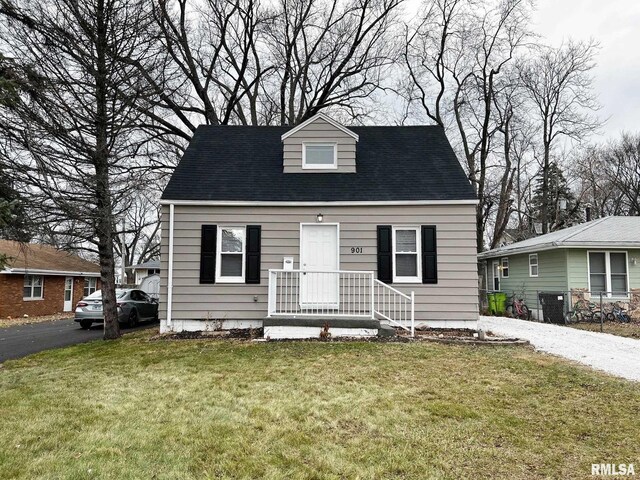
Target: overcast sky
(615,24)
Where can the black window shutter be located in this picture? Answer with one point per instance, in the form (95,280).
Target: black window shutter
(385,257)
(252,268)
(208,254)
(429,254)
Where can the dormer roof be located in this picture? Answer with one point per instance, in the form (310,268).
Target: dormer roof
(324,117)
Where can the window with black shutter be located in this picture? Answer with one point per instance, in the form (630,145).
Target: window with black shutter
(208,253)
(252,274)
(429,254)
(385,258)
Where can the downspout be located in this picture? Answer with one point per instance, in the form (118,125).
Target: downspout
(170,272)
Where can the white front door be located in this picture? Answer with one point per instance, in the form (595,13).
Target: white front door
(496,276)
(319,253)
(68,294)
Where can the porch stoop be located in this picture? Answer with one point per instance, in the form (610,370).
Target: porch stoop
(310,327)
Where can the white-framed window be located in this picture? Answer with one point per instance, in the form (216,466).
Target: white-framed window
(533,265)
(33,287)
(504,264)
(321,156)
(90,286)
(231,253)
(406,255)
(608,273)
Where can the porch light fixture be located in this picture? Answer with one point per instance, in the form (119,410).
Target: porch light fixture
(319,218)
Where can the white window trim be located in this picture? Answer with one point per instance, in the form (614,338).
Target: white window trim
(607,267)
(334,166)
(219,277)
(31,298)
(502,260)
(418,277)
(537,265)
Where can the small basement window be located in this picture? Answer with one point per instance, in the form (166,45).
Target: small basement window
(231,250)
(33,287)
(319,156)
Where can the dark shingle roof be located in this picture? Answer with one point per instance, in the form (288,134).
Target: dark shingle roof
(238,163)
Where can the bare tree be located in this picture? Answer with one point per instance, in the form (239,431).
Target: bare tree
(560,86)
(609,176)
(137,238)
(75,136)
(241,62)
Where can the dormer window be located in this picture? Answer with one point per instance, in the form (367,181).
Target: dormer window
(319,156)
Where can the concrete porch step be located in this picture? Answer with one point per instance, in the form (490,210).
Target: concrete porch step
(342,322)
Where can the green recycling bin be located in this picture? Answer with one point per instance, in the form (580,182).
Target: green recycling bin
(500,302)
(491,302)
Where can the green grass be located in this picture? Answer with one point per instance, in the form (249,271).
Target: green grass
(631,330)
(222,409)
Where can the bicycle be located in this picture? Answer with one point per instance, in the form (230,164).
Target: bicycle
(518,309)
(583,311)
(615,312)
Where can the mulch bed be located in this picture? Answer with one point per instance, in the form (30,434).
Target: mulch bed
(450,336)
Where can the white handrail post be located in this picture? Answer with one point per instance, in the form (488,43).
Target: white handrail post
(413,328)
(272,293)
(371,284)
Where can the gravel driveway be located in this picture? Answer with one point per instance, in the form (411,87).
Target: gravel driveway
(618,356)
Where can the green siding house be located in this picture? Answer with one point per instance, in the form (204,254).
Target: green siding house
(602,255)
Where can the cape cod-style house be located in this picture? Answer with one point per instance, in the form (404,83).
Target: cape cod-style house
(296,229)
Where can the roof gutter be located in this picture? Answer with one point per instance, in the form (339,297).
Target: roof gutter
(40,271)
(240,203)
(550,246)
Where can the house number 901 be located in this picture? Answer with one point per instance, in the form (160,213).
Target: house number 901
(356,249)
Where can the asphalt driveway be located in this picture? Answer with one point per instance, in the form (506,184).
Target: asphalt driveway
(22,340)
(616,355)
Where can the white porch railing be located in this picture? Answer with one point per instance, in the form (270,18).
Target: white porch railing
(338,293)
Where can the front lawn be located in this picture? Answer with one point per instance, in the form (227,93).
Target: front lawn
(196,409)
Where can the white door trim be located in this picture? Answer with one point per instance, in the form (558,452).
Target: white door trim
(495,268)
(67,306)
(304,304)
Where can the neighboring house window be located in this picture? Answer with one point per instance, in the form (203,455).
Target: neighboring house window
(319,155)
(608,273)
(90,285)
(533,265)
(231,255)
(406,254)
(33,287)
(505,268)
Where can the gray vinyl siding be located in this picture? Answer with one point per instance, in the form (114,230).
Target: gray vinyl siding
(453,298)
(552,274)
(319,131)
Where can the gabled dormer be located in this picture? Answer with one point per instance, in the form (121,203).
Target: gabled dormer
(319,145)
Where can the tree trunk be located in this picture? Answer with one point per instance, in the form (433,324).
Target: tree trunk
(104,222)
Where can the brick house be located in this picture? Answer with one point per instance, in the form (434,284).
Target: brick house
(41,280)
